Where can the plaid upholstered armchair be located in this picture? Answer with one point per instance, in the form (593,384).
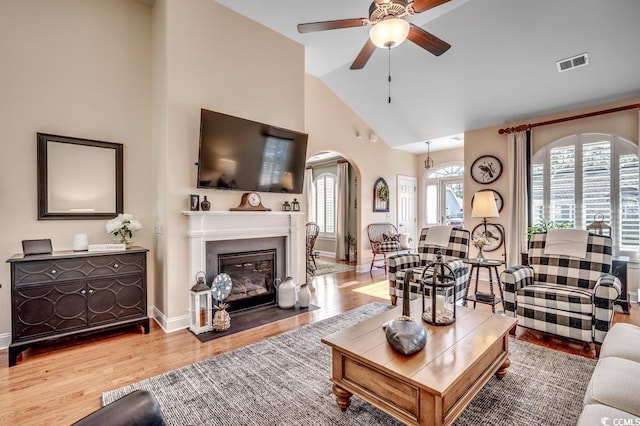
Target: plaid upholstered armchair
(455,250)
(567,296)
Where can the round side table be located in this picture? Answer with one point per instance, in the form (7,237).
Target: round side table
(486,298)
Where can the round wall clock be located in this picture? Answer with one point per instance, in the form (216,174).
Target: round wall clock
(486,169)
(496,195)
(494,236)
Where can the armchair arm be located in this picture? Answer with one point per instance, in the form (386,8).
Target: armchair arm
(605,292)
(515,278)
(400,262)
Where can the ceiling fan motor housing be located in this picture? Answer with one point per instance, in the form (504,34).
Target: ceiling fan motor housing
(394,8)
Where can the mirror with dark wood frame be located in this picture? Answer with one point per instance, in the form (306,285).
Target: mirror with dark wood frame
(79,178)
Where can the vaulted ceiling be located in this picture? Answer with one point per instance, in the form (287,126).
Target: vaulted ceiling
(501,66)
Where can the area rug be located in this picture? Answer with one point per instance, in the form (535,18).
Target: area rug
(284,380)
(325,267)
(245,320)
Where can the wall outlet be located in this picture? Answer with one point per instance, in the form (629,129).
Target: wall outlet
(158,228)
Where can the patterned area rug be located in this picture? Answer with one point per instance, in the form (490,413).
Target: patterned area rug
(327,267)
(284,380)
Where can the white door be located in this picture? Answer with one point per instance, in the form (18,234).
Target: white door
(407,211)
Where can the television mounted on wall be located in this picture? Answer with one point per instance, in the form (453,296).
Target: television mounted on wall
(244,155)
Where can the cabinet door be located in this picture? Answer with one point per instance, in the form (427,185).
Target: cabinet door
(115,299)
(49,309)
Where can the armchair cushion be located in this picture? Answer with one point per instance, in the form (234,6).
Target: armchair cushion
(555,296)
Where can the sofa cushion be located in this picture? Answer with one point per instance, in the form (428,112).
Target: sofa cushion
(554,296)
(622,341)
(598,415)
(615,383)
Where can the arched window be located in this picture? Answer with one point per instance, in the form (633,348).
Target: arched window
(579,176)
(323,210)
(443,194)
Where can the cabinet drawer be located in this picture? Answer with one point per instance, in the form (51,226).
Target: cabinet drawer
(57,270)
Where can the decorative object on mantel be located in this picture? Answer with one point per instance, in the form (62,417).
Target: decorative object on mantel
(286,207)
(599,226)
(250,201)
(285,292)
(200,306)
(436,310)
(205,205)
(122,228)
(80,242)
(380,196)
(295,205)
(194,202)
(404,334)
(486,169)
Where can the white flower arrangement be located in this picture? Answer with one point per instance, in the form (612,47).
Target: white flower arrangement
(479,242)
(123,226)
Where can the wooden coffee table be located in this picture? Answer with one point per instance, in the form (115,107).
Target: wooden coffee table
(430,387)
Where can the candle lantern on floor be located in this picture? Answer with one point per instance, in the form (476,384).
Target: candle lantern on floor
(200,306)
(437,280)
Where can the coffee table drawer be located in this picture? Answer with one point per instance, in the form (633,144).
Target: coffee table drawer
(398,394)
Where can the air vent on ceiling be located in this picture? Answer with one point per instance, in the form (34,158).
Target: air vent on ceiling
(574,62)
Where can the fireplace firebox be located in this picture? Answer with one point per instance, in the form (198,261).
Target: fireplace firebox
(252,274)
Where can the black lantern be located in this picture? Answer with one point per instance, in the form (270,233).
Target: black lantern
(286,206)
(438,278)
(295,205)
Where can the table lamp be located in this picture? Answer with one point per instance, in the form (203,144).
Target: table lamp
(484,206)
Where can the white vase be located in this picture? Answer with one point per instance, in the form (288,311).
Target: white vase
(304,296)
(286,293)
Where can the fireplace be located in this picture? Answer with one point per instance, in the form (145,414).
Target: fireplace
(252,274)
(252,263)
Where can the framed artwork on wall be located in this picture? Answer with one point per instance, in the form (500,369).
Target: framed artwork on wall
(486,169)
(381,196)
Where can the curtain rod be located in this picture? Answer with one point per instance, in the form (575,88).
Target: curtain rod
(522,127)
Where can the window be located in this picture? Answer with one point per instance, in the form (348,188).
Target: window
(444,189)
(585,175)
(323,210)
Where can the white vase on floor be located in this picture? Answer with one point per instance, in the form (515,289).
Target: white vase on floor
(304,296)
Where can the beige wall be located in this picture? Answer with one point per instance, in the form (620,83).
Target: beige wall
(332,126)
(73,68)
(218,60)
(488,141)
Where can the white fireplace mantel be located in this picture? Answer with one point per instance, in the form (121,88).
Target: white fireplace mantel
(234,225)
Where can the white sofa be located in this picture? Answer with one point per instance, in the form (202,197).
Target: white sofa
(613,394)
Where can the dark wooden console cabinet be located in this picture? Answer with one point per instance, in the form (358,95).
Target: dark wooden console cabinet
(67,295)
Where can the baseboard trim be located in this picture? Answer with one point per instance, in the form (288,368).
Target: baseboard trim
(169,325)
(5,340)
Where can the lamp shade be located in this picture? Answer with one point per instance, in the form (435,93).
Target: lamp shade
(389,32)
(484,205)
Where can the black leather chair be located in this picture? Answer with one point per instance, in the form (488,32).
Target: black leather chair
(139,408)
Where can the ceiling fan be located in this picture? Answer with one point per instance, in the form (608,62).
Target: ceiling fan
(389,28)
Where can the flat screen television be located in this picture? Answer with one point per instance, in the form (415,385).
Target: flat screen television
(245,155)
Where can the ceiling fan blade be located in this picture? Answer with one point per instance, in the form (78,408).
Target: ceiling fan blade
(363,56)
(427,40)
(332,25)
(422,5)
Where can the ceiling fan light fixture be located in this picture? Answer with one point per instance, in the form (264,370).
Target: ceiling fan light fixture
(389,32)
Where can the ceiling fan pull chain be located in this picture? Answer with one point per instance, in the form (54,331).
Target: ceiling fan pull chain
(389,73)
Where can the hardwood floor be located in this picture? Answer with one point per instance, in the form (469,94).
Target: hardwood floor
(62,383)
